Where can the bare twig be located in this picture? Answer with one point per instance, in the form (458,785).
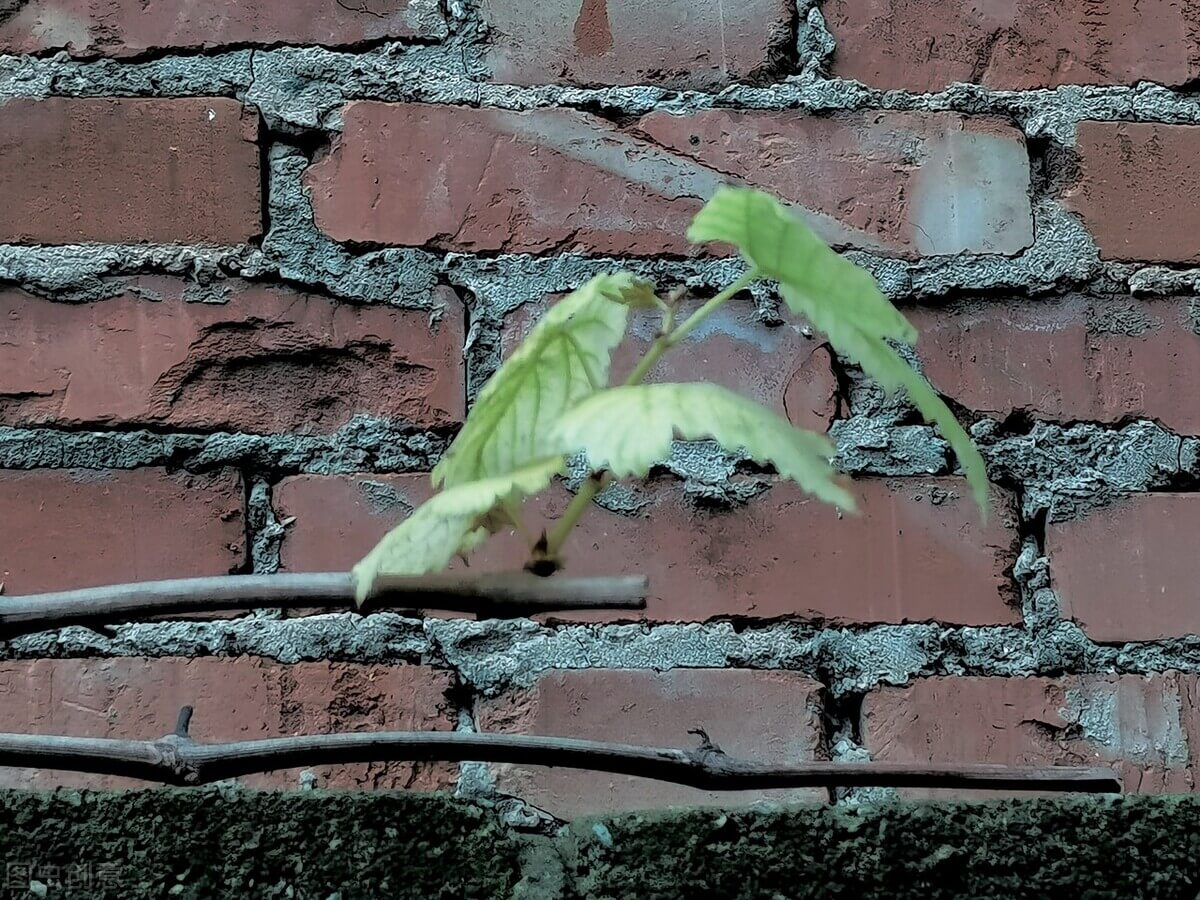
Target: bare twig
(177,759)
(499,594)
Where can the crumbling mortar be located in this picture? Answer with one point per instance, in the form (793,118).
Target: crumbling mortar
(365,444)
(815,45)
(305,87)
(264,531)
(494,656)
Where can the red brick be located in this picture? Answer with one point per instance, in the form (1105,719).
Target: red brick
(779,367)
(915,552)
(338,518)
(774,717)
(682,44)
(71,528)
(334,520)
(923,45)
(546,180)
(267,360)
(1141,726)
(129,170)
(1081,358)
(131,27)
(1135,190)
(1129,571)
(239,699)
(910,183)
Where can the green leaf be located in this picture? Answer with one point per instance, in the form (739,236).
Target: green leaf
(829,289)
(564,359)
(881,361)
(449,521)
(626,430)
(838,298)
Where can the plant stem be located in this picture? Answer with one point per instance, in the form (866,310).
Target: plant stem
(666,339)
(689,324)
(579,504)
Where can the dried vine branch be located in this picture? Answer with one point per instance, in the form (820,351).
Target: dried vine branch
(496,595)
(177,759)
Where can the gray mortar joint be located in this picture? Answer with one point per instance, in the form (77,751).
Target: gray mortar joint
(497,655)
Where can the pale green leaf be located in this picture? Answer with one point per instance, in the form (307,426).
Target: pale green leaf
(626,430)
(564,359)
(838,298)
(449,521)
(881,361)
(827,288)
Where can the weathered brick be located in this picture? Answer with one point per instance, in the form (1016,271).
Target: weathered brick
(543,180)
(334,520)
(338,518)
(1142,727)
(1078,358)
(1128,571)
(267,360)
(73,528)
(129,170)
(923,45)
(131,27)
(237,699)
(774,717)
(915,552)
(1135,189)
(777,366)
(909,183)
(682,44)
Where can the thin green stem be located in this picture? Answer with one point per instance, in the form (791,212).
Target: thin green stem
(557,536)
(689,324)
(666,339)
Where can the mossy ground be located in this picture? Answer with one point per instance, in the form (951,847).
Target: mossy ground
(314,844)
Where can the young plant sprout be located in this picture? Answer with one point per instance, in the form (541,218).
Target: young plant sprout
(552,399)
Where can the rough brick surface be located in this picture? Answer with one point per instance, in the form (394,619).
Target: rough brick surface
(1129,571)
(768,716)
(496,180)
(925,45)
(683,44)
(234,699)
(267,360)
(1081,358)
(131,27)
(911,183)
(338,518)
(915,552)
(1141,726)
(1135,189)
(777,366)
(129,170)
(66,528)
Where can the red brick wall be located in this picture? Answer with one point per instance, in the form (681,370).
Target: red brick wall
(256,259)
